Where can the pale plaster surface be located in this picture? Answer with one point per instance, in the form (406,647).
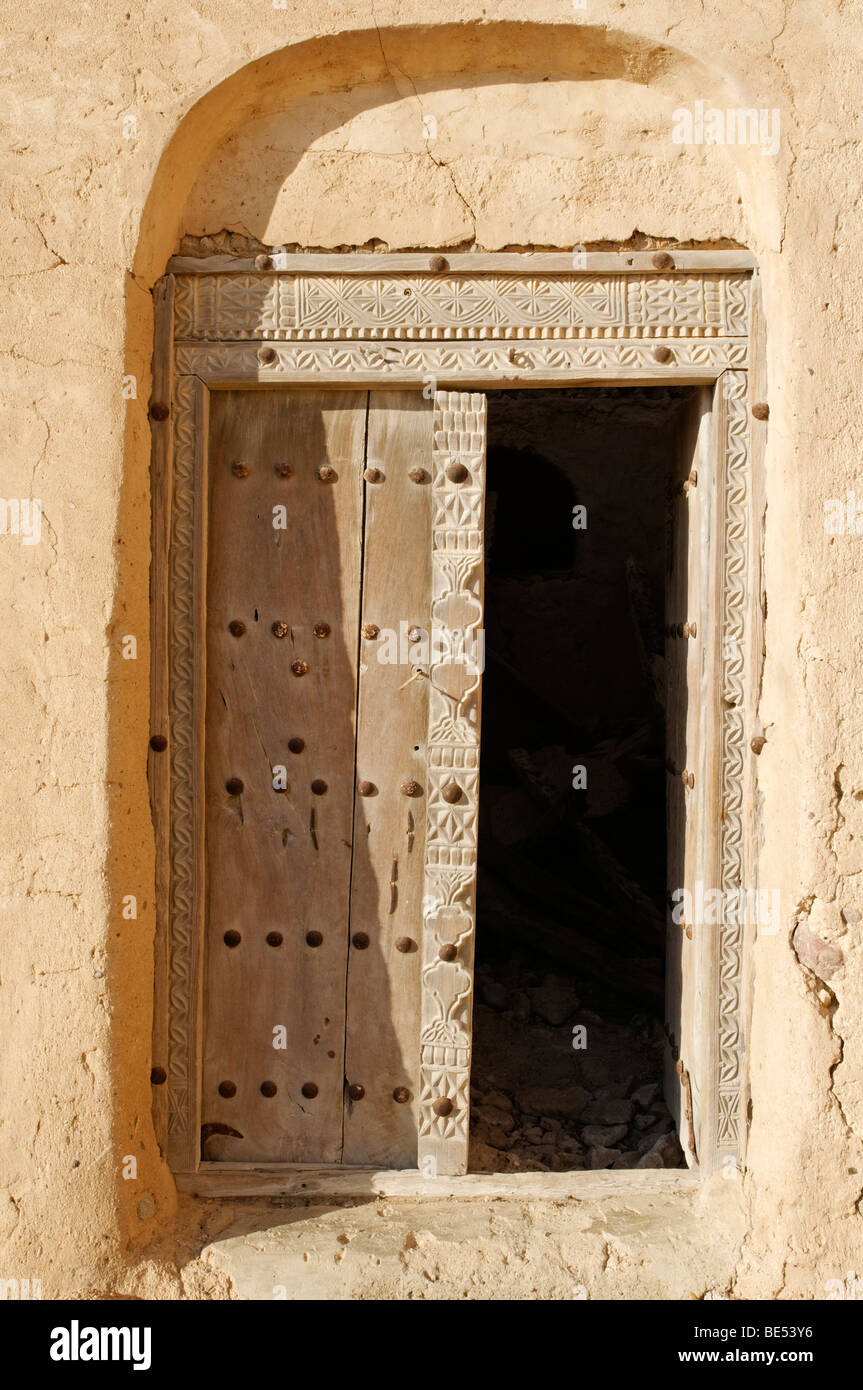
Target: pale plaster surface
(303,126)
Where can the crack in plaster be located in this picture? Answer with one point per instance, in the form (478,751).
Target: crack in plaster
(438,163)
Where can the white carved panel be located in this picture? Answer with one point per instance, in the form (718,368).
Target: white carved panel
(465,305)
(455,677)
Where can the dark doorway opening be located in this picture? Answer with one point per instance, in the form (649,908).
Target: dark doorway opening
(571,921)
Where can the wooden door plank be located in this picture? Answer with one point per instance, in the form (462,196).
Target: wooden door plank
(383,993)
(689,700)
(278,861)
(677,551)
(701,608)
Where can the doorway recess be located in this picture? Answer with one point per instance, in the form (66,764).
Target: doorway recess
(666,343)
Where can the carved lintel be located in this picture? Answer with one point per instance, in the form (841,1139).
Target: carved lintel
(487,363)
(533,305)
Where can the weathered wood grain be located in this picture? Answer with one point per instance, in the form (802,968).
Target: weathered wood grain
(383,994)
(278,861)
(362,263)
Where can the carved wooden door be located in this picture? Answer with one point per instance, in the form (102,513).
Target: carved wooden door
(340,799)
(692,765)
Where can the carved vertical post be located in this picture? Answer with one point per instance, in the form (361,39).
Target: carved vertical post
(455,674)
(734,388)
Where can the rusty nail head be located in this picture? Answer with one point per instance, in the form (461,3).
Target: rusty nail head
(263,262)
(327,474)
(283,470)
(438,263)
(662,353)
(236,628)
(356,1091)
(158,1076)
(274,938)
(415,634)
(370,631)
(300,668)
(761,410)
(452,793)
(757,743)
(406,945)
(410,788)
(234,786)
(366,788)
(158,743)
(309,1090)
(373,475)
(314,938)
(240,470)
(417,475)
(267,356)
(227,1089)
(457,473)
(662,261)
(442,1107)
(322,629)
(319,787)
(360,940)
(401,1095)
(448,951)
(268,1088)
(689,931)
(693,629)
(159,411)
(280,628)
(232,939)
(296,745)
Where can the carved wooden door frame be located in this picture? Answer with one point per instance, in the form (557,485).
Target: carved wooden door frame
(448,325)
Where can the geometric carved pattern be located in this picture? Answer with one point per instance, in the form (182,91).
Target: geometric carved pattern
(734,387)
(455,675)
(486,329)
(464,305)
(182,658)
(486,362)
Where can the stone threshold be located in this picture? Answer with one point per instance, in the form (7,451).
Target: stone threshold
(284,1180)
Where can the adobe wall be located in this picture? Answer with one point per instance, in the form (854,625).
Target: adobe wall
(411,125)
